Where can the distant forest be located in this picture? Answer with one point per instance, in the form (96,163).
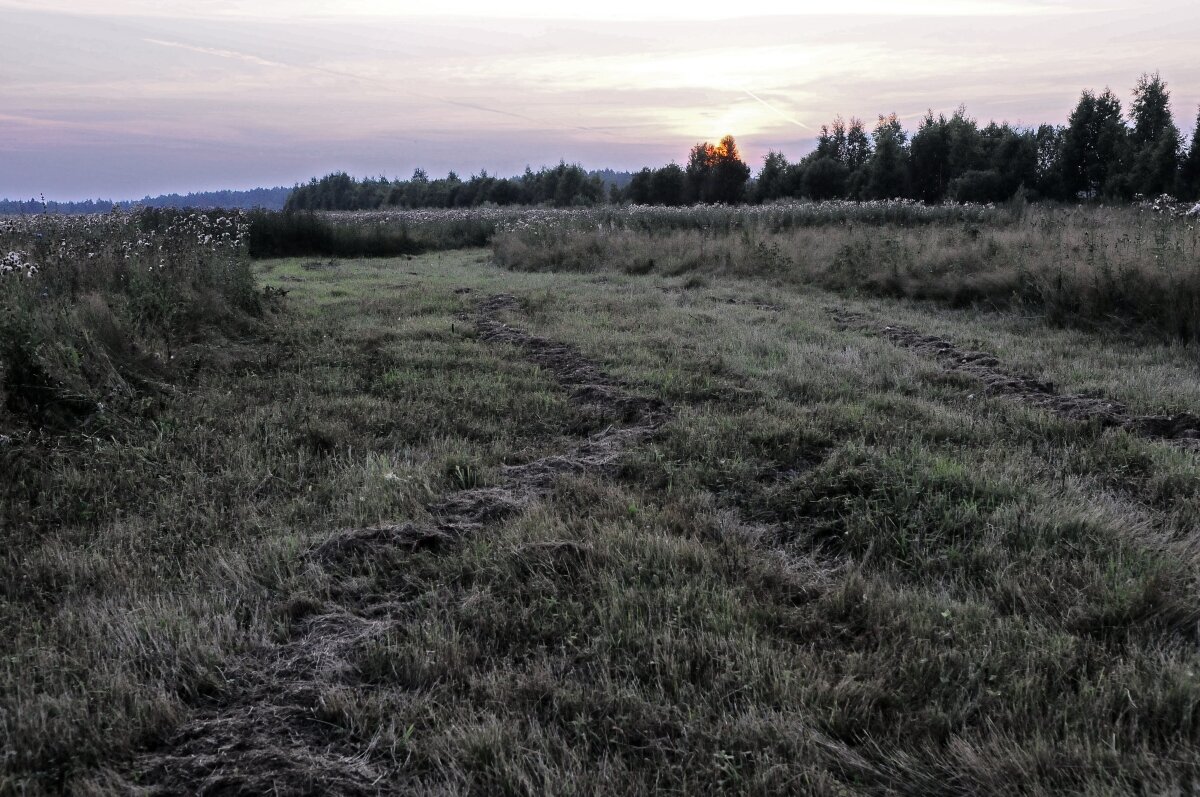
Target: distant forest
(265,198)
(1101,153)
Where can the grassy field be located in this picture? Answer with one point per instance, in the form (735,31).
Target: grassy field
(428,524)
(1130,268)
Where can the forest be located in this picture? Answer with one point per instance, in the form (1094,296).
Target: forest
(1103,152)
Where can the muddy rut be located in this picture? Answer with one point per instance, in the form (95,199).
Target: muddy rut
(263,734)
(999,380)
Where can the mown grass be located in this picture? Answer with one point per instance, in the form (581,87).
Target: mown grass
(837,568)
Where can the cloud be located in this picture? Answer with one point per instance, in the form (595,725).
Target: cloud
(250,59)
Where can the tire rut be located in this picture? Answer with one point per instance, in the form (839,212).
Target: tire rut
(1182,428)
(265,734)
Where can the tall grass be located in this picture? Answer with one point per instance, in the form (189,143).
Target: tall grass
(93,309)
(378,233)
(1079,265)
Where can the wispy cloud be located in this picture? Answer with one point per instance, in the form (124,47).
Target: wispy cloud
(392,84)
(250,59)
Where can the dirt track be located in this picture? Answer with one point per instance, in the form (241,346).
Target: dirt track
(262,735)
(1002,381)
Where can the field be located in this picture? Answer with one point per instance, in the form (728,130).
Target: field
(825,499)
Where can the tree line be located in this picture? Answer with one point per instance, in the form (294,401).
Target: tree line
(1101,153)
(564,185)
(252,199)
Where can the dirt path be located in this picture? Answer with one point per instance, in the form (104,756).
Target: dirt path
(264,736)
(1000,380)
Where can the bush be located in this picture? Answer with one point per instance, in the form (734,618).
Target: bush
(295,234)
(980,186)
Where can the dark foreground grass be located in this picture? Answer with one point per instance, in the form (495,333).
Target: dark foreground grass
(836,569)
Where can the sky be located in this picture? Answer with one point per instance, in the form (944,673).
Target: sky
(124,98)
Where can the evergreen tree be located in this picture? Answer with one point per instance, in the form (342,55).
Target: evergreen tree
(832,141)
(1094,150)
(1048,139)
(858,145)
(1013,155)
(930,155)
(668,185)
(1189,172)
(639,188)
(1155,139)
(887,171)
(773,182)
(1150,111)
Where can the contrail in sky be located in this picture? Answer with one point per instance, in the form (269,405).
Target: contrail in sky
(253,59)
(776,111)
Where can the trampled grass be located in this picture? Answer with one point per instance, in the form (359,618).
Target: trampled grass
(834,567)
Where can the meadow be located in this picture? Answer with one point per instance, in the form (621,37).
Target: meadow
(836,498)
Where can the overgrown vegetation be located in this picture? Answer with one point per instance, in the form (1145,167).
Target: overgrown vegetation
(97,312)
(398,232)
(1130,267)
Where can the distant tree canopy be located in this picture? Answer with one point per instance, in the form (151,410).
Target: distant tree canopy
(564,185)
(255,198)
(1101,153)
(665,186)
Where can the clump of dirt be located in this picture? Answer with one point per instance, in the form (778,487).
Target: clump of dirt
(319,265)
(363,543)
(764,306)
(846,319)
(1000,380)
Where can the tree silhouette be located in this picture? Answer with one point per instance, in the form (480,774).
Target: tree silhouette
(1189,171)
(1155,139)
(716,173)
(773,181)
(887,171)
(1095,146)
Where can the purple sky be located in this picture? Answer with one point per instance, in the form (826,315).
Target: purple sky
(154,96)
